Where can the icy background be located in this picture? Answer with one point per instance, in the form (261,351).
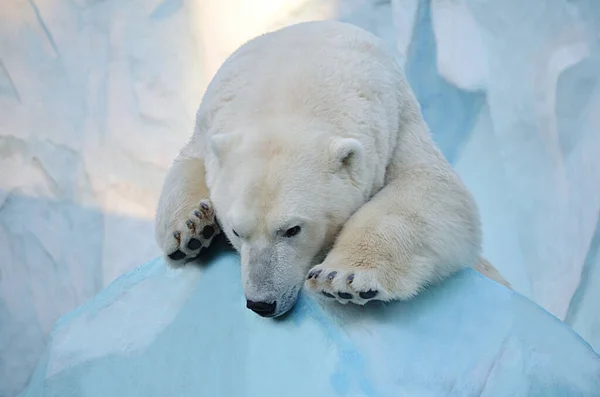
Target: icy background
(97,96)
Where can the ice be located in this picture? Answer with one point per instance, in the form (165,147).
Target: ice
(93,107)
(159,332)
(97,96)
(461,51)
(529,153)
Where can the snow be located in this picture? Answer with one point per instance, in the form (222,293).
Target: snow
(187,332)
(96,97)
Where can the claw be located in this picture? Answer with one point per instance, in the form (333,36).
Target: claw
(190,225)
(331,276)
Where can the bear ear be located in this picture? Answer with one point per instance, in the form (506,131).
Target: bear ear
(347,153)
(219,143)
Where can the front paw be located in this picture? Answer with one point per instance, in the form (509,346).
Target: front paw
(191,234)
(347,282)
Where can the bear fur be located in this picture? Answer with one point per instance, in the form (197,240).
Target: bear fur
(311,151)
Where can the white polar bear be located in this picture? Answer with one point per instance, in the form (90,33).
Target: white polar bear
(316,156)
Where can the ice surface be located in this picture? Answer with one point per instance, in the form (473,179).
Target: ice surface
(96,98)
(159,332)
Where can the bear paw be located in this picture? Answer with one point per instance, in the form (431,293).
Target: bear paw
(190,235)
(353,284)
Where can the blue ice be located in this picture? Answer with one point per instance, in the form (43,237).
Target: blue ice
(162,332)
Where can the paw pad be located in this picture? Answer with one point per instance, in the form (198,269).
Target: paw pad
(192,235)
(208,231)
(354,285)
(369,294)
(194,244)
(177,255)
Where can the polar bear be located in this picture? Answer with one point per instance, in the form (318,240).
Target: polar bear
(311,151)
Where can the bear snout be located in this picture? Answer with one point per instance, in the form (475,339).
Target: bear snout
(272,304)
(264,309)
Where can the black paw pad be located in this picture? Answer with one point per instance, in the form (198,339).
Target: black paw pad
(194,244)
(208,231)
(327,294)
(345,295)
(350,279)
(314,274)
(331,276)
(177,255)
(369,294)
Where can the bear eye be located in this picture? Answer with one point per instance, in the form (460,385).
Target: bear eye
(236,233)
(291,232)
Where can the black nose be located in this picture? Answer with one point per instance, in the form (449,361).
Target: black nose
(262,308)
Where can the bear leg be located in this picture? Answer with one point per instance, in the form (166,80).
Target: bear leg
(185,218)
(419,229)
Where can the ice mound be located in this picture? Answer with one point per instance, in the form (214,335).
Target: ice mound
(160,332)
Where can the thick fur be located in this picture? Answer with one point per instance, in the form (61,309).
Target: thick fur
(315,126)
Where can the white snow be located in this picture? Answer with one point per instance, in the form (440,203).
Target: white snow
(96,97)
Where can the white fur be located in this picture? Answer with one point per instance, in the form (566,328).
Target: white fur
(315,125)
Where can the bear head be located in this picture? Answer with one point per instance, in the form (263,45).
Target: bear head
(281,199)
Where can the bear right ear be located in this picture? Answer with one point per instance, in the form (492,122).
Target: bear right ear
(219,144)
(347,153)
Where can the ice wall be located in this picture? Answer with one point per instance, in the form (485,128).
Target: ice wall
(97,96)
(510,90)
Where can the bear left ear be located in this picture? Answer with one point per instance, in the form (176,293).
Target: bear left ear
(347,153)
